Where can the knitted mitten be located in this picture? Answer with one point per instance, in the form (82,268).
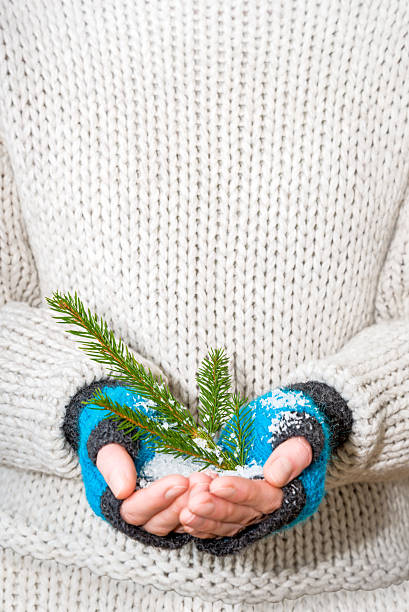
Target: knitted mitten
(311,409)
(87,430)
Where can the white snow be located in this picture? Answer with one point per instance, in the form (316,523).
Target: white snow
(284,399)
(163,465)
(281,423)
(201,443)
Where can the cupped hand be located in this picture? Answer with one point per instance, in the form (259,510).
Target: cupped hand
(203,505)
(225,505)
(154,508)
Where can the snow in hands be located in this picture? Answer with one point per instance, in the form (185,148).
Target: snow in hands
(160,466)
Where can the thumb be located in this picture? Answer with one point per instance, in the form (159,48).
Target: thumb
(287,461)
(199,481)
(118,469)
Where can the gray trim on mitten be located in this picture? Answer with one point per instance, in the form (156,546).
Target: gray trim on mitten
(294,498)
(332,405)
(74,408)
(294,495)
(300,424)
(110,507)
(106,432)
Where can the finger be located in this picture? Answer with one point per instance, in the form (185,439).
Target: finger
(118,469)
(209,506)
(199,481)
(143,504)
(256,494)
(210,473)
(194,524)
(167,520)
(287,461)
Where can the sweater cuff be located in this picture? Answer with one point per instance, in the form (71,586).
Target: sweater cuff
(371,373)
(42,369)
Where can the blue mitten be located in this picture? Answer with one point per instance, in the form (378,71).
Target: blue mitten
(87,430)
(311,409)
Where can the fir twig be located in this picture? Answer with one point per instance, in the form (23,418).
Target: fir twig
(161,437)
(238,433)
(175,431)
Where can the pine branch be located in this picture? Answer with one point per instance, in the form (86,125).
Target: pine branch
(103,348)
(174,430)
(171,441)
(214,383)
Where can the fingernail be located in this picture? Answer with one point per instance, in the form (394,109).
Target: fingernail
(199,487)
(280,470)
(174,491)
(307,450)
(223,491)
(117,483)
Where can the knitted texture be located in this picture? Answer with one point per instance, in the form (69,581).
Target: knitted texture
(349,530)
(333,407)
(63,593)
(93,433)
(208,174)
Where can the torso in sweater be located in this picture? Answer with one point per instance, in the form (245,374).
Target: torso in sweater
(208,175)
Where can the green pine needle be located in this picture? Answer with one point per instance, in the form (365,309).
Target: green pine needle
(103,348)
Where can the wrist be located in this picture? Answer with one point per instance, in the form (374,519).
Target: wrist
(75,407)
(332,406)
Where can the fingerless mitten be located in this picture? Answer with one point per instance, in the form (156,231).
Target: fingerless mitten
(87,430)
(311,409)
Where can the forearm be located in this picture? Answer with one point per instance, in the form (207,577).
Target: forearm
(42,368)
(371,374)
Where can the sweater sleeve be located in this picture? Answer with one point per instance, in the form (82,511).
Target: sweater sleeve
(41,365)
(371,373)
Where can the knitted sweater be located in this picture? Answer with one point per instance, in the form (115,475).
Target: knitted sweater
(207,174)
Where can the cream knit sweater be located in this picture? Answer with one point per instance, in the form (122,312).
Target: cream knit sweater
(218,173)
